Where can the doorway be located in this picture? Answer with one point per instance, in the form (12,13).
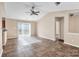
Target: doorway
(24,29)
(59,28)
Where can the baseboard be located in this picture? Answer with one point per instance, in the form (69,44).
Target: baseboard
(12,38)
(72,44)
(46,38)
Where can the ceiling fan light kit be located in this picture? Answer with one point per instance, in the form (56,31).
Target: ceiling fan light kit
(57,3)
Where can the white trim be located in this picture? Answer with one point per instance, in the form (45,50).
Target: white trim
(71,44)
(47,38)
(30,26)
(51,39)
(73,33)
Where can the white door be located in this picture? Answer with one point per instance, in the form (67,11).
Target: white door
(59,28)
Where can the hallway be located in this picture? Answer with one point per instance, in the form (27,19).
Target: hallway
(38,47)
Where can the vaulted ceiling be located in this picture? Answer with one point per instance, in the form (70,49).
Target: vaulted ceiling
(17,10)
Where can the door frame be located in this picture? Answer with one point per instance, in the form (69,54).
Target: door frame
(60,26)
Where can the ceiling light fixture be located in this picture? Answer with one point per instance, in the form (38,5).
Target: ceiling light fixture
(57,3)
(33,10)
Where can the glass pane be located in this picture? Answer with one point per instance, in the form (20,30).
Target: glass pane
(23,28)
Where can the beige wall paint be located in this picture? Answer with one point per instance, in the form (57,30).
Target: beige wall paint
(46,27)
(11,25)
(2,14)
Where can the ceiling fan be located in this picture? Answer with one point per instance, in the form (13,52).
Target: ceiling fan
(33,10)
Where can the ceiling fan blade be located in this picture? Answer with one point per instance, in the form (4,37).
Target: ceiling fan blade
(33,14)
(37,12)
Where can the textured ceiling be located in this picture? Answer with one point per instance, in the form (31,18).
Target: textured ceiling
(17,9)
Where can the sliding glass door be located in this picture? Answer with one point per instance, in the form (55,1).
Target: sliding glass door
(24,29)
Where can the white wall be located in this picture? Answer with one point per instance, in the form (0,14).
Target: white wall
(11,25)
(72,37)
(46,27)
